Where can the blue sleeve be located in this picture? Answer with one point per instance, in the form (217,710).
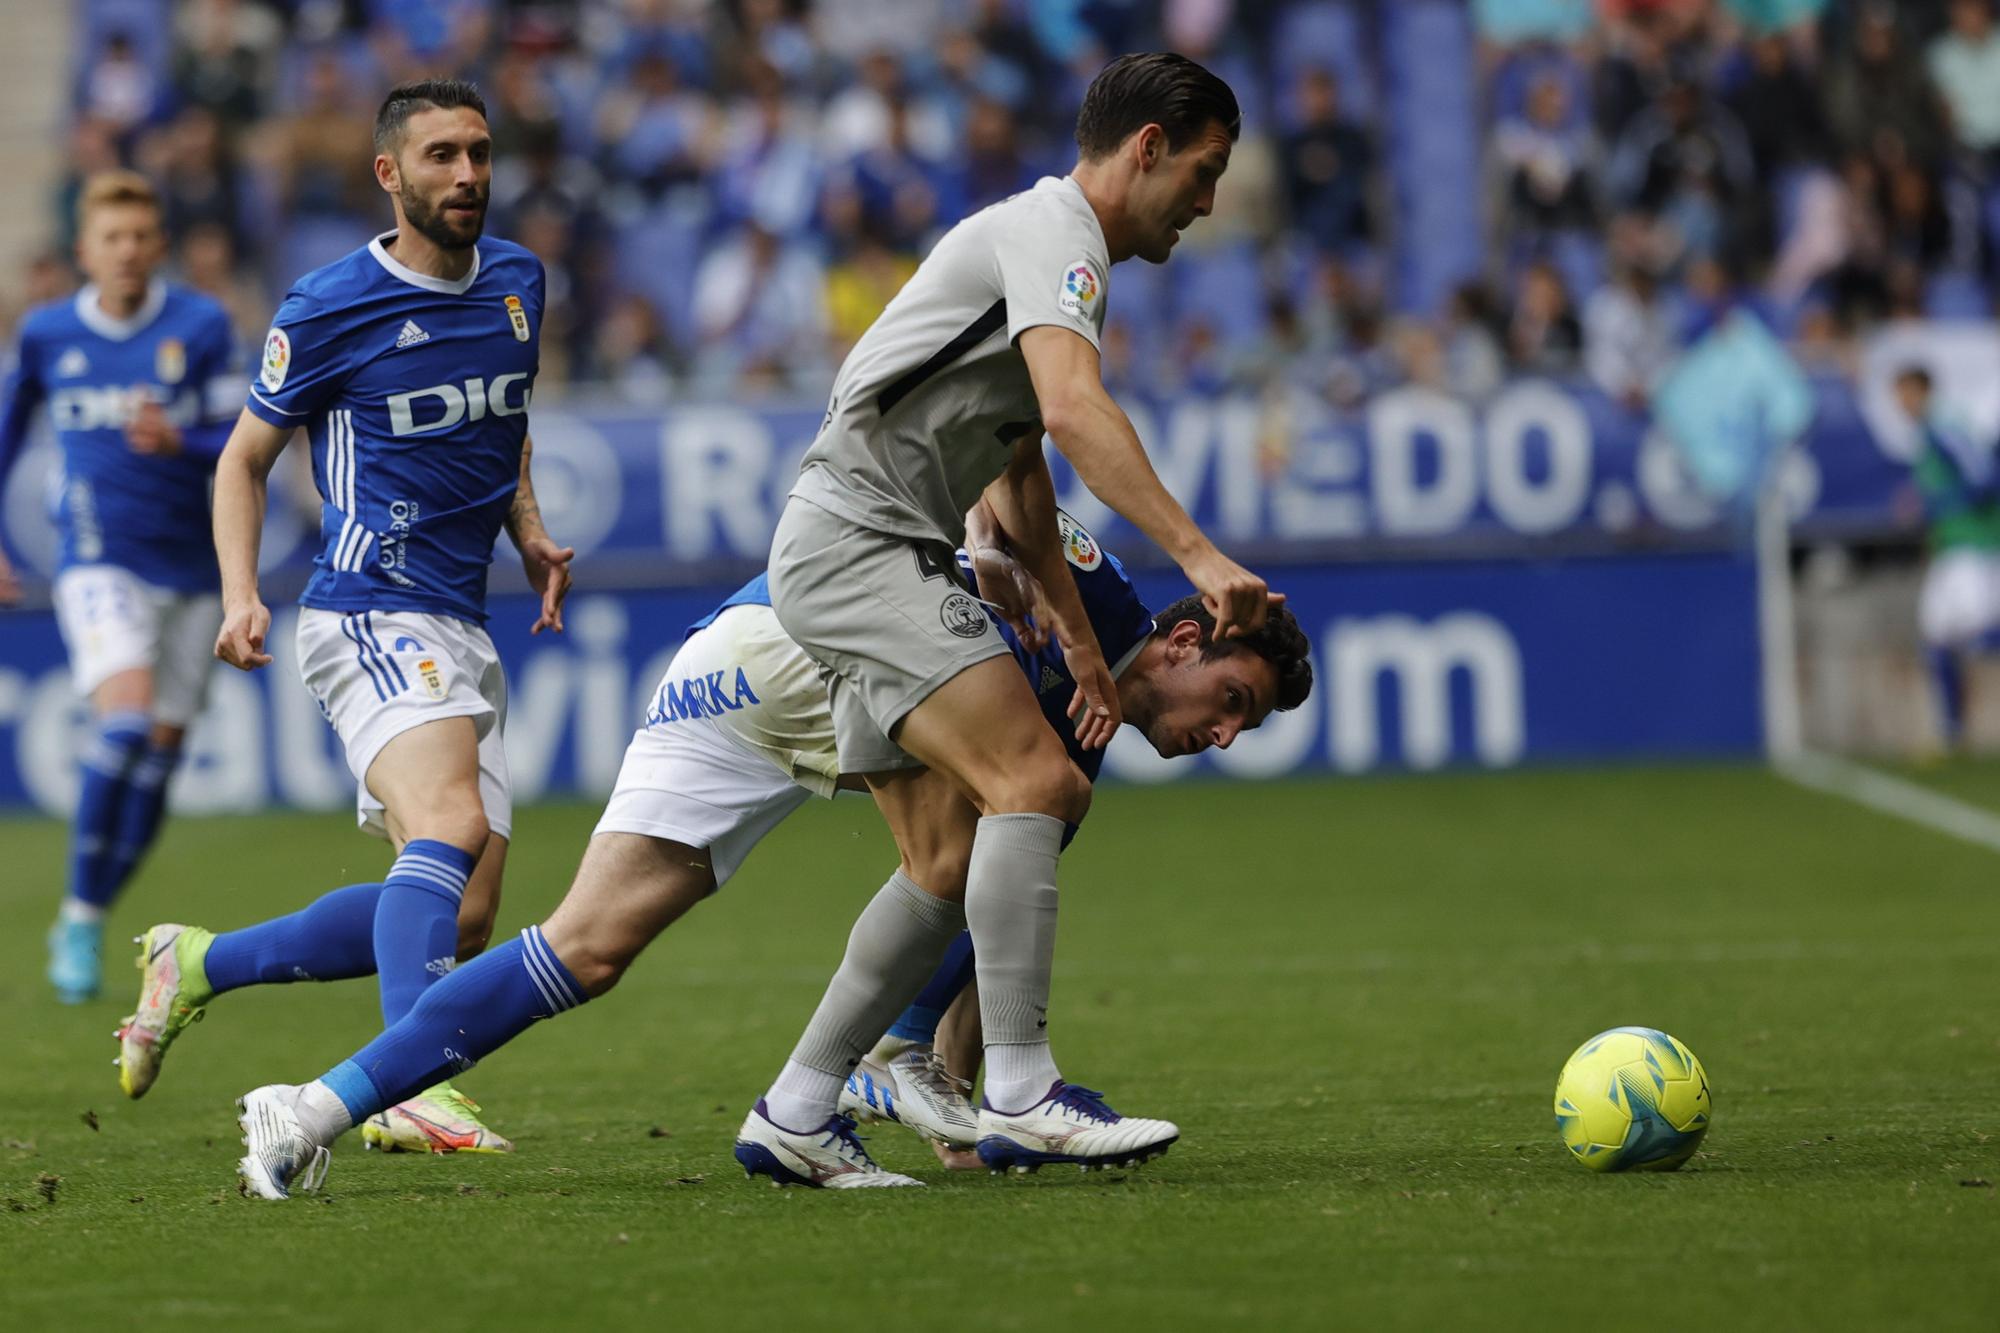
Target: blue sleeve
(22,395)
(304,363)
(220,387)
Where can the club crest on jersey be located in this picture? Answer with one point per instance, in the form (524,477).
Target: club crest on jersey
(277,360)
(432,677)
(1079,547)
(1078,293)
(72,363)
(170,361)
(962,616)
(518,318)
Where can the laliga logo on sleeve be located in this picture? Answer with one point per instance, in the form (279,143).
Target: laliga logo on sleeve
(1078,294)
(277,360)
(1079,547)
(518,318)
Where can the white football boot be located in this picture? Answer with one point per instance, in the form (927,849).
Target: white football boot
(279,1155)
(1070,1127)
(830,1157)
(913,1090)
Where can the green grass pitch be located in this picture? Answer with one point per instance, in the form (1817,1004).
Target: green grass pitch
(1353,997)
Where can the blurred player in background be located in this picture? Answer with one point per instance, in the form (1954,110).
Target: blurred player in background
(409,363)
(993,342)
(1958,611)
(136,373)
(739,734)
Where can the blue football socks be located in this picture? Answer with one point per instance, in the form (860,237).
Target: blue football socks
(1949,675)
(108,762)
(919,1022)
(416,921)
(476,1010)
(332,939)
(140,813)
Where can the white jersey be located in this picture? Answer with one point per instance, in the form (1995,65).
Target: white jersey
(928,404)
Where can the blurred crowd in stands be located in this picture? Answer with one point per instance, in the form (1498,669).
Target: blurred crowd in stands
(726,192)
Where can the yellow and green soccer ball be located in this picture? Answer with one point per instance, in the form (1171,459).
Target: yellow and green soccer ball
(1632,1099)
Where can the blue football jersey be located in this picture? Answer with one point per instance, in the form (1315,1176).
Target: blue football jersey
(144,512)
(414,392)
(1121,621)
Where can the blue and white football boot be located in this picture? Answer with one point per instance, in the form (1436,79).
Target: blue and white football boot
(830,1157)
(1070,1127)
(76,959)
(278,1155)
(914,1091)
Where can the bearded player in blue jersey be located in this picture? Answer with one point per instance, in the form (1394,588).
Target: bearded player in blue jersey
(409,364)
(738,735)
(137,377)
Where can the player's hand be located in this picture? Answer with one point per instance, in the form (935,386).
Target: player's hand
(1238,599)
(149,432)
(1094,706)
(241,642)
(10,583)
(1007,587)
(547,567)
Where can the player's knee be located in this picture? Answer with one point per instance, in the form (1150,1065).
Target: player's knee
(1047,785)
(475,929)
(597,963)
(455,820)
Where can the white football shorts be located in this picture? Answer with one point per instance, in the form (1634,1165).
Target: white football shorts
(112,620)
(1960,600)
(377,674)
(737,736)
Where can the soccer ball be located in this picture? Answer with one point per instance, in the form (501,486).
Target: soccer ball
(1632,1099)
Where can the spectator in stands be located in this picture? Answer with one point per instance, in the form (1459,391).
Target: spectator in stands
(208,263)
(653,131)
(1474,363)
(1965,63)
(759,307)
(994,164)
(1778,104)
(628,352)
(1876,95)
(1628,340)
(197,177)
(1326,161)
(859,284)
(119,89)
(93,147)
(905,194)
(769,166)
(1686,162)
(1543,157)
(770,33)
(316,155)
(224,57)
(1544,336)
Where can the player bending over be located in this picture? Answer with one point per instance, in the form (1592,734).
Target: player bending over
(992,343)
(739,733)
(410,364)
(136,375)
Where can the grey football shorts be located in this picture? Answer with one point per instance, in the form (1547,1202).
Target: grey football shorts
(888,620)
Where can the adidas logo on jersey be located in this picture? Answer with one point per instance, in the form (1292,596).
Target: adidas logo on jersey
(1049,680)
(411,335)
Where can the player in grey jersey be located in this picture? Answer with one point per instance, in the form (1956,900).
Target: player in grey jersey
(992,343)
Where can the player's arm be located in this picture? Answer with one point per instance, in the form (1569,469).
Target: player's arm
(1003,581)
(1023,499)
(240,494)
(1097,438)
(545,563)
(23,393)
(217,392)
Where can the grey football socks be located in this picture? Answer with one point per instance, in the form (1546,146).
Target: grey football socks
(893,949)
(1010,904)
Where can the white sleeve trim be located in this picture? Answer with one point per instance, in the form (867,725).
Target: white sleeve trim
(283,412)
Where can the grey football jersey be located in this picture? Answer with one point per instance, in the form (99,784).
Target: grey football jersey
(926,404)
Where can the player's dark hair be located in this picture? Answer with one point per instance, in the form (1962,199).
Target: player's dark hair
(1280,642)
(406,99)
(1153,88)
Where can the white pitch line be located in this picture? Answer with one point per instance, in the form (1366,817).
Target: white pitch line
(1891,795)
